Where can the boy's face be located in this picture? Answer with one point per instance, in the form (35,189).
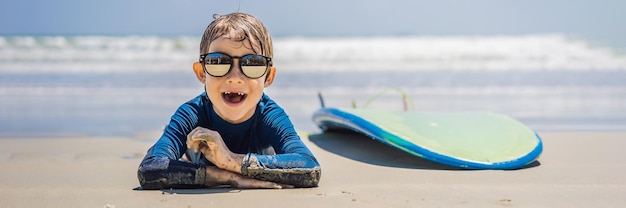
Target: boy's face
(234,96)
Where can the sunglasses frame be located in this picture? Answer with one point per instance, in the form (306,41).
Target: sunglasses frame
(267,67)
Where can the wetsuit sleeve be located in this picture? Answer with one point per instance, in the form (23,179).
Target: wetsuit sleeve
(293,163)
(160,167)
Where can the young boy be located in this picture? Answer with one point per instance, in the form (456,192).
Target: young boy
(232,134)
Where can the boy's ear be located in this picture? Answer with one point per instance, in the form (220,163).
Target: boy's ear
(199,71)
(270,76)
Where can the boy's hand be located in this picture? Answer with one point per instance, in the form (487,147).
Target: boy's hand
(228,170)
(217,176)
(211,144)
(249,183)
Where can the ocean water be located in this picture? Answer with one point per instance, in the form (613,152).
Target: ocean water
(125,85)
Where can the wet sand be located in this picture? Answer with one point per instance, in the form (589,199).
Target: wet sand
(576,169)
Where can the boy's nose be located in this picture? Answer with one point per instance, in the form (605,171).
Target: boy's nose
(235,74)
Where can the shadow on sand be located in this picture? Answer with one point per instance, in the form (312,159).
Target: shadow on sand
(195,190)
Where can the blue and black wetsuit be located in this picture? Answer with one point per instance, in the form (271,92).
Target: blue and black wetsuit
(269,128)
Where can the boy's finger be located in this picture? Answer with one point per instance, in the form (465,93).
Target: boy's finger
(198,139)
(252,183)
(286,186)
(269,185)
(195,145)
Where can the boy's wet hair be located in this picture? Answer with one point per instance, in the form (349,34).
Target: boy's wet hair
(238,27)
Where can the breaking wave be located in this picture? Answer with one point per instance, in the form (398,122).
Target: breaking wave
(406,53)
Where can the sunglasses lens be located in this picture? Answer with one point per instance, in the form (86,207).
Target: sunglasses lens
(254,66)
(217,70)
(217,64)
(254,71)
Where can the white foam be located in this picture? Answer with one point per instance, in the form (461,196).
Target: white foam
(153,53)
(529,52)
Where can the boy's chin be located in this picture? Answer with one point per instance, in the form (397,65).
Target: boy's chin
(234,114)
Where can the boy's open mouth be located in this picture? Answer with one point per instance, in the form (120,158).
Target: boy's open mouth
(234,97)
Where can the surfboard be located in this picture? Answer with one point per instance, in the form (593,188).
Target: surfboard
(467,140)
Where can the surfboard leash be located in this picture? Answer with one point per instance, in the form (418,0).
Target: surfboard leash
(405,99)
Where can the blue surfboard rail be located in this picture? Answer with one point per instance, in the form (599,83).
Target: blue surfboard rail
(328,118)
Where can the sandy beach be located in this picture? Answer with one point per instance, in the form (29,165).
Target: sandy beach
(581,169)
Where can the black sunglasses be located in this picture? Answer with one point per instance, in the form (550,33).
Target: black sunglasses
(252,66)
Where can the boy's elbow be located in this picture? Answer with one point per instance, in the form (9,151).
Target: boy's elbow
(313,178)
(312,175)
(147,184)
(150,174)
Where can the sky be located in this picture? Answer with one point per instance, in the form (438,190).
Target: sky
(599,21)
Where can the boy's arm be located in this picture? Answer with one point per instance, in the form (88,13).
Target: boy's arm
(160,173)
(293,162)
(294,169)
(298,168)
(160,168)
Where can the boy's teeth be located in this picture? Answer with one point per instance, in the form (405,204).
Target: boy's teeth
(239,93)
